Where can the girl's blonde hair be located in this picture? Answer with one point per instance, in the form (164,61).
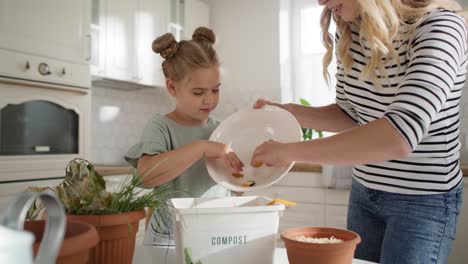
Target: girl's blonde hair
(380,23)
(186,56)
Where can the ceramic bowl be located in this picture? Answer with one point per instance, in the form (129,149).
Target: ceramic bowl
(243,131)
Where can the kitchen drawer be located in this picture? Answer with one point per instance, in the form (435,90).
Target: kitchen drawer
(337,197)
(335,216)
(303,215)
(11,189)
(301,179)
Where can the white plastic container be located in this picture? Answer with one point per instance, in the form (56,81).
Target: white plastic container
(225,230)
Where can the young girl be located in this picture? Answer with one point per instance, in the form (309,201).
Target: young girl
(172,147)
(401,70)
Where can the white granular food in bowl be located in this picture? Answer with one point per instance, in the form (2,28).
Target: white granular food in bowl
(322,240)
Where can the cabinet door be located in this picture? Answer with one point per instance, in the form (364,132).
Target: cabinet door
(9,190)
(152,21)
(98,37)
(58,29)
(197,13)
(120,34)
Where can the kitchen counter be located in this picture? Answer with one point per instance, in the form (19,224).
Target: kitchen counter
(107,170)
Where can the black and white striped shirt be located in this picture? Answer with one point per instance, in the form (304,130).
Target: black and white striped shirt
(420,99)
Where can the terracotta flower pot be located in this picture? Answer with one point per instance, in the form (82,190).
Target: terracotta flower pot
(77,243)
(303,252)
(117,234)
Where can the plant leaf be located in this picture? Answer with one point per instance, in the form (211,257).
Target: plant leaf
(304,102)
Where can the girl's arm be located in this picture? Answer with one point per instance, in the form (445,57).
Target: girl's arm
(326,118)
(376,141)
(174,162)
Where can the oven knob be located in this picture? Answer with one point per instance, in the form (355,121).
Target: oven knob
(44,69)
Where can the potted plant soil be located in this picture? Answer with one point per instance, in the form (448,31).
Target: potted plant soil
(115,215)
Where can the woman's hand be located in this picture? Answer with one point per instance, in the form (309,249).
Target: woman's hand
(212,149)
(271,153)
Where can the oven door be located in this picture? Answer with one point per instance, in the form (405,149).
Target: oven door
(42,127)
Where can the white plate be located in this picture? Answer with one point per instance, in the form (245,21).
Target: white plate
(243,131)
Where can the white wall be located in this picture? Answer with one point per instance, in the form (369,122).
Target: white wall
(248,46)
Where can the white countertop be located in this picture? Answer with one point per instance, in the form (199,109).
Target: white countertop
(144,255)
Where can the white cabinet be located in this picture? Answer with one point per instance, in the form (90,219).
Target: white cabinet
(153,21)
(120,39)
(57,29)
(10,190)
(197,13)
(316,204)
(123,31)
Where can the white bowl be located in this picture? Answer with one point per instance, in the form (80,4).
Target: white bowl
(243,131)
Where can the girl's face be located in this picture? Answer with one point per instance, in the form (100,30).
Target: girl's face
(197,95)
(346,9)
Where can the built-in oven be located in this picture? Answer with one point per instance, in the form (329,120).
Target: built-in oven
(45,109)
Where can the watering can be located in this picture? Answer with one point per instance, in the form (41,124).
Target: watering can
(16,243)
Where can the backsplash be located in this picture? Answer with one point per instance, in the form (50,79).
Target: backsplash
(118,119)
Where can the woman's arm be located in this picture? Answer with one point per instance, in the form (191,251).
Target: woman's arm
(376,141)
(174,162)
(326,118)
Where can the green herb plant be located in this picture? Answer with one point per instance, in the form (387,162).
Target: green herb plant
(83,192)
(308,133)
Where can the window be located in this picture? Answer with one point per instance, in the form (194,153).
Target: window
(301,53)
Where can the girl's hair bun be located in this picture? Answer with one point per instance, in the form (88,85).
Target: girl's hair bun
(166,45)
(203,34)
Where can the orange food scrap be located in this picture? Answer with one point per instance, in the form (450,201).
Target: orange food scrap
(237,175)
(258,164)
(281,201)
(248,184)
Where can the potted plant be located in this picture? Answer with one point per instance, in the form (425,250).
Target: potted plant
(308,133)
(333,176)
(115,215)
(79,240)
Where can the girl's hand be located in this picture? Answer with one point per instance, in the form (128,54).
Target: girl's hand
(212,149)
(271,153)
(261,102)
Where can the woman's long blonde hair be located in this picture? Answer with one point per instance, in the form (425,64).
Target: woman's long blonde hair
(379,24)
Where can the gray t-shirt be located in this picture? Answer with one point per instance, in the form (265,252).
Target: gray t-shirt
(161,135)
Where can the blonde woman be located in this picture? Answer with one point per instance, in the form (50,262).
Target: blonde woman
(401,69)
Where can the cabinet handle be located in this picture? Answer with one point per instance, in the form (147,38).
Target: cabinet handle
(89,43)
